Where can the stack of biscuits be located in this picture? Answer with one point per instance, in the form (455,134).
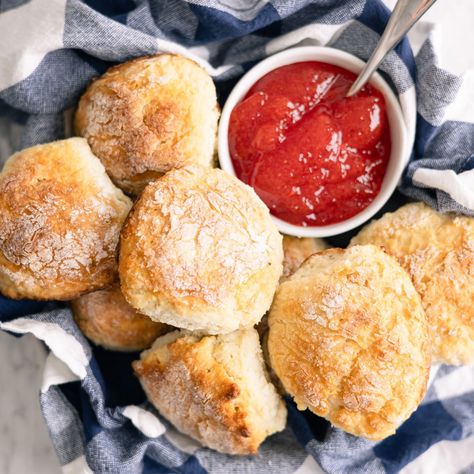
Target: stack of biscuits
(159,251)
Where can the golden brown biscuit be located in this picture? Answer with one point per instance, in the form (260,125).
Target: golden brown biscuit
(225,399)
(437,250)
(147,116)
(200,252)
(296,250)
(109,321)
(348,339)
(60,220)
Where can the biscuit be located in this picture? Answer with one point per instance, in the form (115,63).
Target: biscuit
(437,250)
(60,221)
(348,338)
(109,321)
(225,399)
(296,250)
(200,252)
(147,116)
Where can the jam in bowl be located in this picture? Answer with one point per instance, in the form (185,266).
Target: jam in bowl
(322,162)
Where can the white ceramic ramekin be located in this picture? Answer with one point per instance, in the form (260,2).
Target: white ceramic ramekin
(398,133)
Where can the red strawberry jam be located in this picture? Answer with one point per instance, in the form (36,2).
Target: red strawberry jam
(314,156)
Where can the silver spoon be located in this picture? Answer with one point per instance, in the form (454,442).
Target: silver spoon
(405,14)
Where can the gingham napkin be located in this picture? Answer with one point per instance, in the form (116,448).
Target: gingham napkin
(96,413)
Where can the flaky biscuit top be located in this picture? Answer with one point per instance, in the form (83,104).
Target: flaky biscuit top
(60,221)
(200,252)
(348,338)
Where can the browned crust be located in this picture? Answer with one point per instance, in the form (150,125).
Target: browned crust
(109,321)
(197,395)
(297,250)
(60,219)
(437,250)
(348,339)
(149,115)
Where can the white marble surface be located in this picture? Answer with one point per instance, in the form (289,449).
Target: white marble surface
(24,443)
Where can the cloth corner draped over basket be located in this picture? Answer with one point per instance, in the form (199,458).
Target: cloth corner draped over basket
(96,413)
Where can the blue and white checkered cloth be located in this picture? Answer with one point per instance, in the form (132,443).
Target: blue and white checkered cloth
(96,413)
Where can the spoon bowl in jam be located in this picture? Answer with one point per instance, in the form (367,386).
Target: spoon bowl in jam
(322,162)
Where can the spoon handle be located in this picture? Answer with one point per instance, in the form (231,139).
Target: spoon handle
(405,14)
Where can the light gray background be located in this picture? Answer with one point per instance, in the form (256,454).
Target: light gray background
(24,443)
